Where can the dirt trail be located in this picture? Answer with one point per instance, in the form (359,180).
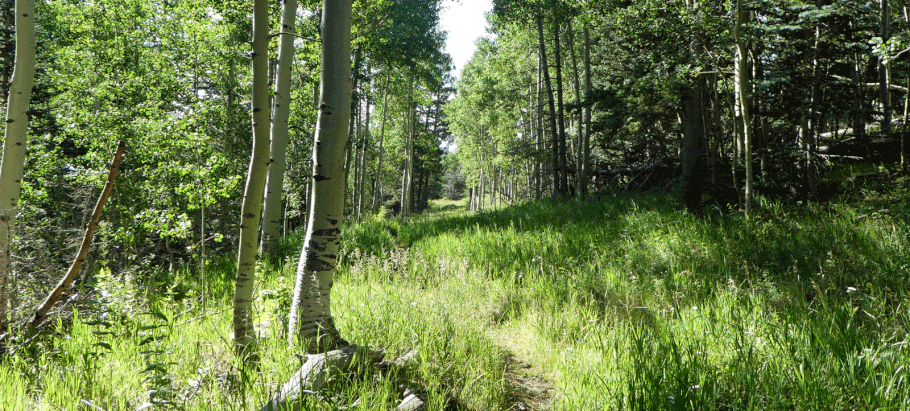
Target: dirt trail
(530,389)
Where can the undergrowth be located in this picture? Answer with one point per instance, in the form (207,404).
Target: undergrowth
(623,303)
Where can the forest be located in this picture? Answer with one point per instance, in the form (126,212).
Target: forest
(300,205)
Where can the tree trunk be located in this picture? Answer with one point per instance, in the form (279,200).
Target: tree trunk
(586,150)
(363,165)
(563,160)
(884,70)
(251,210)
(349,151)
(281,109)
(812,119)
(310,319)
(13,163)
(693,133)
(377,183)
(859,115)
(551,103)
(742,70)
(45,307)
(579,149)
(409,153)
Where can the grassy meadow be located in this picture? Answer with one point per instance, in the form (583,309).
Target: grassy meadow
(624,303)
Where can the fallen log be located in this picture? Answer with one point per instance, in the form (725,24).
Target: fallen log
(316,372)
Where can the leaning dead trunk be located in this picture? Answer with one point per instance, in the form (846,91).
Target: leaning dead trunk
(45,307)
(310,319)
(282,109)
(13,163)
(251,210)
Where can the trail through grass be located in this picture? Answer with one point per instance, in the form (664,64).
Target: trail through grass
(623,303)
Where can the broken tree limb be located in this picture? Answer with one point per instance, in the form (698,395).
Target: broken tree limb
(411,402)
(45,307)
(893,87)
(316,371)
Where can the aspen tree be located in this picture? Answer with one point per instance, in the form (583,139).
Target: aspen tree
(279,133)
(741,56)
(310,319)
(251,210)
(13,163)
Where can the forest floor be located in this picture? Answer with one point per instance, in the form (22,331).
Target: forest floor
(622,303)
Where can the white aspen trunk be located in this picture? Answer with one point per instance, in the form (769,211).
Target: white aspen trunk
(884,70)
(279,141)
(741,56)
(251,210)
(563,160)
(538,128)
(579,138)
(407,184)
(471,199)
(586,160)
(363,164)
(310,321)
(13,163)
(354,147)
(377,191)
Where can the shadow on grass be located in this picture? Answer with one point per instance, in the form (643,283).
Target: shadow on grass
(649,237)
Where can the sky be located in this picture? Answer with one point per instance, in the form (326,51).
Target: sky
(464,21)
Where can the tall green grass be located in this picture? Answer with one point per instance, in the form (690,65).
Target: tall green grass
(633,304)
(622,303)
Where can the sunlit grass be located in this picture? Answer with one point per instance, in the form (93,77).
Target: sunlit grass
(624,303)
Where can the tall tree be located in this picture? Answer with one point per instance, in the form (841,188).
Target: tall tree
(586,150)
(550,102)
(251,210)
(310,319)
(693,124)
(377,181)
(281,107)
(884,69)
(741,77)
(14,143)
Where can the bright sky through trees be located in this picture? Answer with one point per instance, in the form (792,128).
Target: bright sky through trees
(464,21)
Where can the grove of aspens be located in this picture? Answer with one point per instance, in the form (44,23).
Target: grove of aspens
(304,205)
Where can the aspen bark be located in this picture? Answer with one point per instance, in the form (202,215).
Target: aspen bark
(586,155)
(407,181)
(579,139)
(884,70)
(251,210)
(563,161)
(279,133)
(365,138)
(14,146)
(377,183)
(741,55)
(310,319)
